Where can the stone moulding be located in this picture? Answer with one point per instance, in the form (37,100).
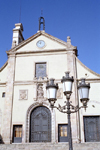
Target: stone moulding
(88,68)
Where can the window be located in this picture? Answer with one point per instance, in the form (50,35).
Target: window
(40,70)
(3,94)
(62,133)
(17,133)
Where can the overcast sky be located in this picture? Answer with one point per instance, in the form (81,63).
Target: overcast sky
(79,19)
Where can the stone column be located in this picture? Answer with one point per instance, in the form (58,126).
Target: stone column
(7,116)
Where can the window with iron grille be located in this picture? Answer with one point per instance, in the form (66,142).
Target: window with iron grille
(40,70)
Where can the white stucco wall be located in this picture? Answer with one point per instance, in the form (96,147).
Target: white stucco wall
(20,107)
(26,71)
(3,75)
(2,100)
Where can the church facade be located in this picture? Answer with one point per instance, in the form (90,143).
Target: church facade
(25,113)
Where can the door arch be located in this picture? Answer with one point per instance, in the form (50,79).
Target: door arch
(40,125)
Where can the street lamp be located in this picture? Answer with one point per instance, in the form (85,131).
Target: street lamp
(68,108)
(52,92)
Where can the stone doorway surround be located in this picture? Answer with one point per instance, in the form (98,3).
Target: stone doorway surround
(53,123)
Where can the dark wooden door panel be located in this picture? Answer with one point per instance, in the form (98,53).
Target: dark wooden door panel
(92,128)
(40,125)
(40,70)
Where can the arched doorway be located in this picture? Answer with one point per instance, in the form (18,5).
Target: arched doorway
(40,125)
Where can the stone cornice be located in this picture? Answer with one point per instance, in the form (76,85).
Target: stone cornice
(41,51)
(2,84)
(44,51)
(91,80)
(23,82)
(31,82)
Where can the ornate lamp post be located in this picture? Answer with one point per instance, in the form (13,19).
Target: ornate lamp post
(68,108)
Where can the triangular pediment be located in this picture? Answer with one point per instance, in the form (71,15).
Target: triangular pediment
(30,45)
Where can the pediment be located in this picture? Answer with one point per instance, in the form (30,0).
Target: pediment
(51,43)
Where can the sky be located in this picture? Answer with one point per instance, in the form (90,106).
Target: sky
(79,19)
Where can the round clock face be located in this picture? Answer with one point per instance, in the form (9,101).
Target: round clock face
(40,43)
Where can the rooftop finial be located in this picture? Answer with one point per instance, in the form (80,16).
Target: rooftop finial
(41,22)
(41,12)
(20,13)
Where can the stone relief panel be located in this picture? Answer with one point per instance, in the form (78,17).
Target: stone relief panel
(23,94)
(60,93)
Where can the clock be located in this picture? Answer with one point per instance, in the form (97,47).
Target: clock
(40,43)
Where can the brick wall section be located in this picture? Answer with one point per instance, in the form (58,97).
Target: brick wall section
(50,146)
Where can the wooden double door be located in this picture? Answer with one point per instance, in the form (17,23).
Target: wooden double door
(40,125)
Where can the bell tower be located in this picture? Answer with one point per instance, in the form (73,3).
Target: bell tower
(41,23)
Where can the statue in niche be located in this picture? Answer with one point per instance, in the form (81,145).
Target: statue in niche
(40,92)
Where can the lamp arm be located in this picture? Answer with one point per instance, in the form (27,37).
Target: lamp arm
(76,109)
(62,109)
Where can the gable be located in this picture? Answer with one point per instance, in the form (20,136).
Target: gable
(49,45)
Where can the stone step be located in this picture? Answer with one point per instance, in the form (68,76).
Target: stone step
(50,146)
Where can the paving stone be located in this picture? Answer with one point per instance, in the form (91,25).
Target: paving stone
(50,146)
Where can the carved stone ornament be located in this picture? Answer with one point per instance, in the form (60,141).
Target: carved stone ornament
(23,94)
(40,79)
(60,93)
(40,92)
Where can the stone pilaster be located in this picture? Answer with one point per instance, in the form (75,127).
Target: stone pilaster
(7,116)
(71,61)
(74,117)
